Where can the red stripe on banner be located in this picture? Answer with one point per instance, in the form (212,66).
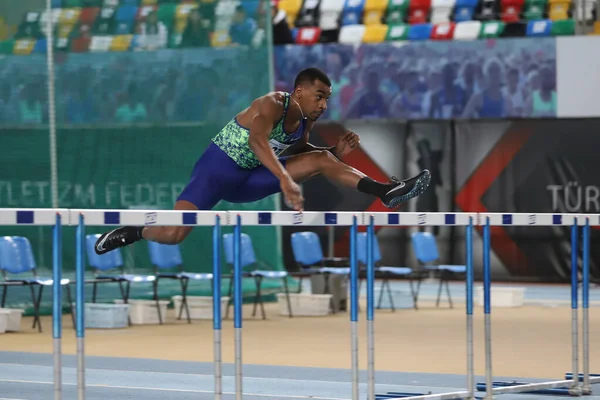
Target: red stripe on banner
(469,198)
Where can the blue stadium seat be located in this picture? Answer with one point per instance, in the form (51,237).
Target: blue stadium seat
(386,271)
(104,263)
(464,10)
(251,7)
(126,12)
(352,12)
(18,267)
(426,252)
(40,46)
(420,32)
(264,271)
(308,254)
(168,257)
(539,28)
(126,19)
(56,3)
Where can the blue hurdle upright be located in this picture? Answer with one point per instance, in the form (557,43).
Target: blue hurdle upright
(586,378)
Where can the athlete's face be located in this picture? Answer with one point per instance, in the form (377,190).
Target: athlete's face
(313,99)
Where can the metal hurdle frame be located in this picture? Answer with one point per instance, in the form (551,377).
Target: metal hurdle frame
(468,220)
(491,388)
(586,378)
(94,217)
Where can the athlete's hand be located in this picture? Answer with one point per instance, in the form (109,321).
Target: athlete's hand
(346,143)
(292,194)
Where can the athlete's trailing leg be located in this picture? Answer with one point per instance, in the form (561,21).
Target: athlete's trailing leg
(127,235)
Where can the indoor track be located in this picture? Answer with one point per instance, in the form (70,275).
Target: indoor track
(28,376)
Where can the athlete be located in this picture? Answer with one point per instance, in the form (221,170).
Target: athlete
(244,164)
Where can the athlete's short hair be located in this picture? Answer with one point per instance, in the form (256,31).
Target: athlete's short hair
(309,75)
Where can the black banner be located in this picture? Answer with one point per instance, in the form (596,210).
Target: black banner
(538,166)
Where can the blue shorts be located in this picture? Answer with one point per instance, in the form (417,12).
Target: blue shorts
(217,177)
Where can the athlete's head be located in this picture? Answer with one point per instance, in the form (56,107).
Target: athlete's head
(312,89)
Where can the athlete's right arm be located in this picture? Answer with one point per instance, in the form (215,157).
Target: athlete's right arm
(269,110)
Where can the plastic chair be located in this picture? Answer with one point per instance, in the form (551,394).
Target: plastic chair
(375,33)
(396,12)
(420,31)
(397,32)
(168,257)
(308,254)
(539,28)
(467,30)
(111,261)
(16,258)
(386,271)
(425,248)
(330,11)
(249,259)
(40,46)
(491,29)
(352,12)
(125,17)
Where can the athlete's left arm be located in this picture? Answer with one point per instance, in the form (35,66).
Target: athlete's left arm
(346,143)
(311,147)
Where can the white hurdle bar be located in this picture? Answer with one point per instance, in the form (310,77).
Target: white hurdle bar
(216,219)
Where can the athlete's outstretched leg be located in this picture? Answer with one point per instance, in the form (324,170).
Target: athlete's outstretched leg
(126,235)
(392,194)
(169,234)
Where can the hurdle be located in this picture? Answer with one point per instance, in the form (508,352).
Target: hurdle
(216,219)
(468,220)
(491,388)
(586,378)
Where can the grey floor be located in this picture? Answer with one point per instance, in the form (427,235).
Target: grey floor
(29,376)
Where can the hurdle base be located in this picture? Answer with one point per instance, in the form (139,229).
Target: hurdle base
(397,395)
(543,388)
(426,396)
(586,390)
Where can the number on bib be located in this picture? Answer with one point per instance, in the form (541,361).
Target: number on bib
(278,147)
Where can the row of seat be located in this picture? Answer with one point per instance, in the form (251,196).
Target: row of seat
(350,34)
(325,14)
(101,43)
(114,3)
(330,14)
(467,30)
(122,20)
(18,259)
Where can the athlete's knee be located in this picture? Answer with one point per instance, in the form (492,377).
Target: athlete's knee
(324,158)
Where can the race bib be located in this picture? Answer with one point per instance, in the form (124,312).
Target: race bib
(278,147)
